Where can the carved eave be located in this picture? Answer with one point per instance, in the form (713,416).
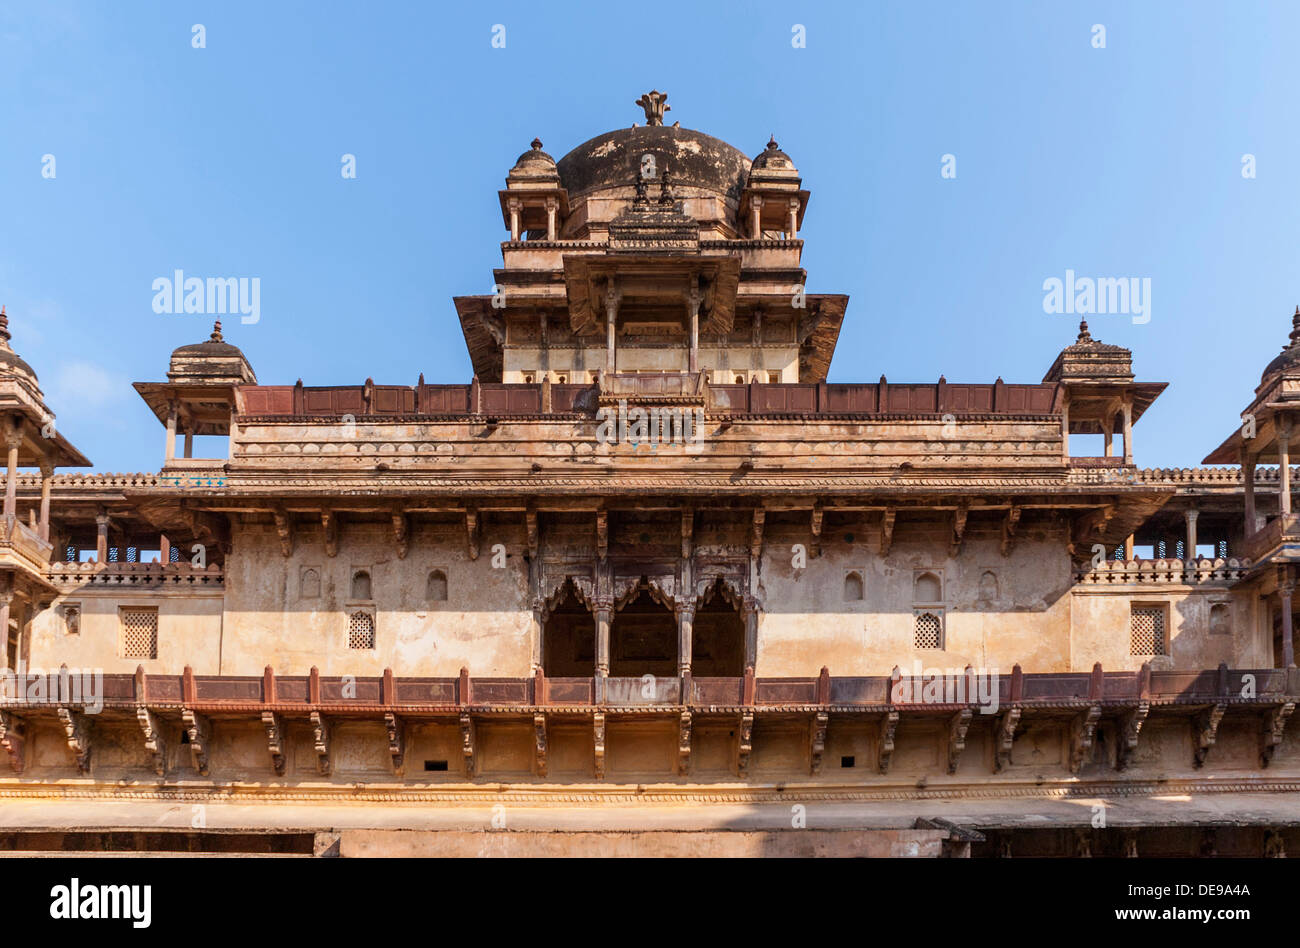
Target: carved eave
(41,439)
(819,332)
(1091,400)
(643,278)
(484,331)
(204,409)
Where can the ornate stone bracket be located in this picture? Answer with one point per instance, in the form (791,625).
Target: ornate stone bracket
(152,728)
(530,529)
(958,530)
(598,741)
(818,515)
(888,728)
(1272,726)
(472,532)
(602,533)
(1004,737)
(756,533)
(320,736)
(1130,726)
(13,738)
(817,741)
(688,532)
(887,531)
(199,730)
(957,728)
(396,728)
(539,738)
(284,528)
(684,743)
(744,742)
(1082,732)
(329,522)
(1009,524)
(468,742)
(274,724)
(1205,730)
(401,533)
(76,727)
(1274,845)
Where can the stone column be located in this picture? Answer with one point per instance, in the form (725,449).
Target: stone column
(164,549)
(685,632)
(611,323)
(47,472)
(693,300)
(755,215)
(1286,592)
(792,229)
(604,611)
(1108,433)
(751,633)
(1190,548)
(1065,429)
(13,440)
(172,412)
(552,206)
(1284,465)
(514,205)
(101,537)
(1128,430)
(189,443)
(1248,479)
(6,598)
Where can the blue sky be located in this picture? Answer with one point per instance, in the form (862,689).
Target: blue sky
(225,161)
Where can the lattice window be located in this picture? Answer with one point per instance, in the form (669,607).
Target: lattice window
(132,554)
(71,554)
(361,630)
(1180,550)
(1160,550)
(174,556)
(929,630)
(1148,631)
(1223,549)
(139,633)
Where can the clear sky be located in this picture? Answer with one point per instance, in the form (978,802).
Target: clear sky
(1122,161)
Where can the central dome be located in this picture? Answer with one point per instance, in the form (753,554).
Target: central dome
(694,160)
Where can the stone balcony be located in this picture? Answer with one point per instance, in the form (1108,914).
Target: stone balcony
(1277,541)
(153,576)
(23,548)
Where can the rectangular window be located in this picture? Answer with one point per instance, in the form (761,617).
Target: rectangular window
(774,378)
(139,633)
(1147,631)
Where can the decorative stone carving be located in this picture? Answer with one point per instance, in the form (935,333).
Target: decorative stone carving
(396,728)
(539,739)
(684,743)
(13,738)
(76,728)
(468,742)
(744,743)
(817,740)
(1083,730)
(1273,724)
(152,728)
(274,725)
(1130,726)
(888,728)
(320,737)
(199,730)
(1004,737)
(957,727)
(598,739)
(1205,730)
(887,531)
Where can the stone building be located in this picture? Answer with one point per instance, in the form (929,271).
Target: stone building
(649,581)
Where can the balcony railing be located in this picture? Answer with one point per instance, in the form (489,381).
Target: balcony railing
(135,575)
(1164,572)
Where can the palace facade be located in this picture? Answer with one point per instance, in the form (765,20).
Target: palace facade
(649,583)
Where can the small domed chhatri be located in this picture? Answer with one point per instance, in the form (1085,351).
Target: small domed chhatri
(10,362)
(1289,357)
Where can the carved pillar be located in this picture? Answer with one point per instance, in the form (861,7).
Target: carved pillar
(1248,480)
(1190,548)
(693,300)
(47,472)
(189,443)
(611,321)
(6,599)
(1065,428)
(755,212)
(1286,592)
(552,206)
(792,229)
(751,633)
(514,205)
(13,440)
(1108,434)
(604,611)
(1128,429)
(101,537)
(164,549)
(1284,464)
(685,633)
(171,431)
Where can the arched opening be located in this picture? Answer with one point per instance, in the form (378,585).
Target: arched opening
(360,585)
(718,637)
(927,589)
(853,587)
(569,638)
(436,588)
(643,639)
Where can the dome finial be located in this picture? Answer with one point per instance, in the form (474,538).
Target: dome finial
(537,144)
(216,332)
(1295,328)
(4,329)
(655,104)
(771,142)
(1084,335)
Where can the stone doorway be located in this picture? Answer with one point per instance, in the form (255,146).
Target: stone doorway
(643,638)
(718,637)
(569,638)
